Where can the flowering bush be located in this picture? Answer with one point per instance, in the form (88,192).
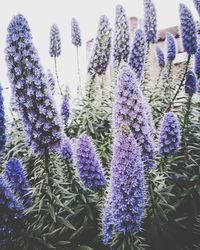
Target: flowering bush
(119,168)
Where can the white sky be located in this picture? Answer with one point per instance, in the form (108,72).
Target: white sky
(41,14)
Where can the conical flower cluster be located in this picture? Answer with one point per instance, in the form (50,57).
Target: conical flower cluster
(190,82)
(66,149)
(188,30)
(130,109)
(55,42)
(32,95)
(14,174)
(150,21)
(75,32)
(160,57)
(138,53)
(100,54)
(65,109)
(197,62)
(89,168)
(169,138)
(171,47)
(2,123)
(197,5)
(127,183)
(121,43)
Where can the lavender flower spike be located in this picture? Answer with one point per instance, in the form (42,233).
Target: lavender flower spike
(197,62)
(127,182)
(2,123)
(121,43)
(150,21)
(75,31)
(32,95)
(65,109)
(88,165)
(190,82)
(197,5)
(188,30)
(138,53)
(55,43)
(171,47)
(169,138)
(100,54)
(160,57)
(14,173)
(130,109)
(66,149)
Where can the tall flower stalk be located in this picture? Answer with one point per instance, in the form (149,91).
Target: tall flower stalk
(121,42)
(15,175)
(190,90)
(130,109)
(126,197)
(55,49)
(189,41)
(150,22)
(138,54)
(76,41)
(32,95)
(100,53)
(88,165)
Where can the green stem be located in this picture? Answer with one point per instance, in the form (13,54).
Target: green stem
(46,167)
(180,85)
(57,78)
(78,69)
(15,121)
(185,129)
(169,79)
(90,88)
(156,85)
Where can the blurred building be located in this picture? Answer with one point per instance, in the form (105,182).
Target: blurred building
(154,69)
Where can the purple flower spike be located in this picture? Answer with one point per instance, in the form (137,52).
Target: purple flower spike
(197,5)
(32,95)
(171,47)
(130,109)
(75,31)
(66,149)
(55,43)
(160,57)
(190,82)
(188,30)
(169,139)
(150,21)
(121,43)
(127,183)
(138,53)
(88,165)
(2,123)
(14,173)
(65,109)
(197,62)
(100,54)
